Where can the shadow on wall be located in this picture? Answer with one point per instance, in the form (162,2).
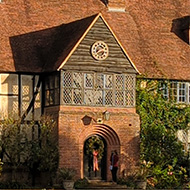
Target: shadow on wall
(181,27)
(130,158)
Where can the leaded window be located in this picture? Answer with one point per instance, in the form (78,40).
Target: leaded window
(98,89)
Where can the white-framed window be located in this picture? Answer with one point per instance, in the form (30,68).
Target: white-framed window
(176,91)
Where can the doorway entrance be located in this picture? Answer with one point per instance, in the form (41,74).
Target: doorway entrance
(95,154)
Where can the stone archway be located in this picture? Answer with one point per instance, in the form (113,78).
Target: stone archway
(111,139)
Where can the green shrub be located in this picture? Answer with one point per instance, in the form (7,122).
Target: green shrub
(81,183)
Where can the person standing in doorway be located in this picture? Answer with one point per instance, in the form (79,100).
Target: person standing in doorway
(114,163)
(95,160)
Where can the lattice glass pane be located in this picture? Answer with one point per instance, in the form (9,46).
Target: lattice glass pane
(119,98)
(98,97)
(88,97)
(77,80)
(130,98)
(24,106)
(67,96)
(88,80)
(15,89)
(108,81)
(119,82)
(129,82)
(15,107)
(25,92)
(77,96)
(99,81)
(108,97)
(67,79)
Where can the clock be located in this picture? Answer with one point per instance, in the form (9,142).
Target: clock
(99,50)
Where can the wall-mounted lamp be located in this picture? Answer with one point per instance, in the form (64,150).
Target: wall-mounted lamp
(106,115)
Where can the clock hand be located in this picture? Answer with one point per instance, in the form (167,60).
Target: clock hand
(101,50)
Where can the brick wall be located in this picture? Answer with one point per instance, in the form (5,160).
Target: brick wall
(120,132)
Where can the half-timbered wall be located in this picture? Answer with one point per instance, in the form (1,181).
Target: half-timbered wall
(16,94)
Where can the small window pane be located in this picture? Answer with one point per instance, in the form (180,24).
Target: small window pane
(77,80)
(108,81)
(67,79)
(88,97)
(119,98)
(98,97)
(77,96)
(99,81)
(119,83)
(108,97)
(88,81)
(67,96)
(182,92)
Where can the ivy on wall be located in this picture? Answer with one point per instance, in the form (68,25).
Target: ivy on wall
(160,120)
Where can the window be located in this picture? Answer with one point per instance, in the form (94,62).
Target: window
(98,89)
(176,91)
(182,92)
(52,90)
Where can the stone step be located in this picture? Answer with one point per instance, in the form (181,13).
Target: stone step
(98,184)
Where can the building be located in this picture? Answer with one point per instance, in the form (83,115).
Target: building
(78,62)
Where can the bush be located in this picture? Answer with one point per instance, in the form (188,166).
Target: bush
(160,121)
(66,174)
(129,181)
(81,183)
(12,185)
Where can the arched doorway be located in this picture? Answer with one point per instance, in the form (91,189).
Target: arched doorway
(92,170)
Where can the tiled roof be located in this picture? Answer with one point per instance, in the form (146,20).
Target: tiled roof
(31,34)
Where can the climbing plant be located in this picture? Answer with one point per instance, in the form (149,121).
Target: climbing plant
(95,143)
(160,120)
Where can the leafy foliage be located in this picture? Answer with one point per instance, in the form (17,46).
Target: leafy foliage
(29,144)
(66,174)
(95,142)
(81,183)
(160,120)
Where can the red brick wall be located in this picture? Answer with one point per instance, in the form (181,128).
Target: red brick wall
(121,132)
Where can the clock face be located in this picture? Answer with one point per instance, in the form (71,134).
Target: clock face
(99,50)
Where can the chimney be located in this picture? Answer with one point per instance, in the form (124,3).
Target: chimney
(116,5)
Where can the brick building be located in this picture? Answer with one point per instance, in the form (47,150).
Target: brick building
(78,61)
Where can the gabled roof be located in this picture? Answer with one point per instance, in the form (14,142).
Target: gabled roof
(46,49)
(73,45)
(30,29)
